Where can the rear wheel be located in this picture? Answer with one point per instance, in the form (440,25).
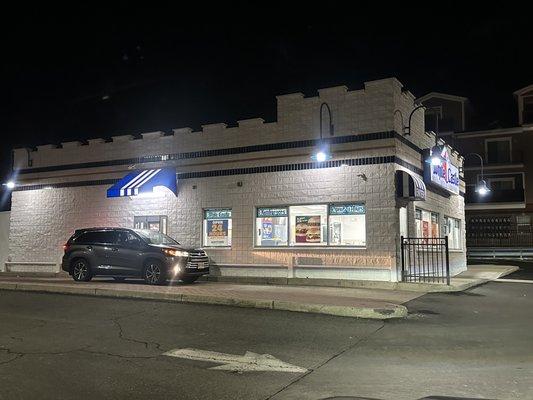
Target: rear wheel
(189,279)
(154,274)
(81,271)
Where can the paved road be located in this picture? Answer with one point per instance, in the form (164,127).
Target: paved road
(476,344)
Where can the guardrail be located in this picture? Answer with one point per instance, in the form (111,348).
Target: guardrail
(495,253)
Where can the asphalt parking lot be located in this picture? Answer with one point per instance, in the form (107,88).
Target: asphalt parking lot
(475,344)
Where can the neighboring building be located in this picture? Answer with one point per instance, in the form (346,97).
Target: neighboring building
(503,217)
(250,194)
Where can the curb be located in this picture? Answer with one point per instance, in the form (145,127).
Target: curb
(459,284)
(389,310)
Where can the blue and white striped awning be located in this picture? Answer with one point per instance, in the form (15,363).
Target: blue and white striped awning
(144,182)
(410,186)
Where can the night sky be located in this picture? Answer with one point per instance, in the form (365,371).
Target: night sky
(85,73)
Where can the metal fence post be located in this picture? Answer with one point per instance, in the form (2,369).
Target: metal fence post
(447,260)
(403,258)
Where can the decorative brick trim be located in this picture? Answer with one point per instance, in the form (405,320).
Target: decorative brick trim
(229,151)
(242,171)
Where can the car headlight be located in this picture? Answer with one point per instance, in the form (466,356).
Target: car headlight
(176,253)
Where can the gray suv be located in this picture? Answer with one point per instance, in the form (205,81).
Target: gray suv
(121,253)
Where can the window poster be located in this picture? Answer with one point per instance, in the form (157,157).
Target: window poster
(267,227)
(217,232)
(425,229)
(308,229)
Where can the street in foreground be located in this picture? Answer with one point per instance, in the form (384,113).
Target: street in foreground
(474,344)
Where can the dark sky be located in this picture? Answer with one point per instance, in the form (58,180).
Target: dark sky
(84,73)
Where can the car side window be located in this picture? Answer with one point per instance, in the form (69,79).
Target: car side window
(94,237)
(86,238)
(128,239)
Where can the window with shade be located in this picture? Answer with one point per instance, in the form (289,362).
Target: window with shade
(426,224)
(453,231)
(272,226)
(217,227)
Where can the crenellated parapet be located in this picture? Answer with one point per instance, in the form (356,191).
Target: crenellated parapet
(366,110)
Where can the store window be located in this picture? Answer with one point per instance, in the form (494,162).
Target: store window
(453,231)
(347,226)
(427,224)
(217,227)
(311,225)
(272,226)
(308,225)
(151,222)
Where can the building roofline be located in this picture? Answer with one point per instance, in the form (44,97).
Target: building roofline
(523,90)
(442,96)
(491,132)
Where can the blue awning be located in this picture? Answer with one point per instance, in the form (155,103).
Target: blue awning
(409,186)
(144,182)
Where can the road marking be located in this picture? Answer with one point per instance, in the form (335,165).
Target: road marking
(513,280)
(230,362)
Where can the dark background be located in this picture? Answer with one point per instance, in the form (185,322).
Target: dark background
(81,73)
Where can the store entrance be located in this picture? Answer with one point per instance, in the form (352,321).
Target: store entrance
(152,222)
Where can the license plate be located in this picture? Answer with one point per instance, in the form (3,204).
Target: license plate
(201,265)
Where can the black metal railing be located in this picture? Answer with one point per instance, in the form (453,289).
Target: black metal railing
(495,196)
(425,260)
(506,237)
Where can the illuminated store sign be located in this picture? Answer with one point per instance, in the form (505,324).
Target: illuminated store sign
(443,175)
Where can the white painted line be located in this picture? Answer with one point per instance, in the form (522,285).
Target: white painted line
(230,362)
(513,280)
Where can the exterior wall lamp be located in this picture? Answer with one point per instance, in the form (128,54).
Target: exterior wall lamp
(10,185)
(481,186)
(407,129)
(435,155)
(323,153)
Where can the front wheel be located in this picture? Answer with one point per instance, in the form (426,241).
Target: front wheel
(81,272)
(154,274)
(189,279)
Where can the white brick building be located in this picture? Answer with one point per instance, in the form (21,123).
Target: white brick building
(249,169)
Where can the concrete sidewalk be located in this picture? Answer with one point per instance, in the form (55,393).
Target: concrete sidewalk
(373,300)
(475,275)
(359,303)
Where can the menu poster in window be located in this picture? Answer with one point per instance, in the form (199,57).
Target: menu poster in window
(425,229)
(266,232)
(434,230)
(153,226)
(308,229)
(217,232)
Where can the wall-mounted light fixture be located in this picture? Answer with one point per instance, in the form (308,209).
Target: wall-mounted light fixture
(323,153)
(481,186)
(10,185)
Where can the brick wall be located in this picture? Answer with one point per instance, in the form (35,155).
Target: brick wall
(42,220)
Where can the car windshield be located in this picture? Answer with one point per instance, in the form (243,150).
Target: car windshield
(155,237)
